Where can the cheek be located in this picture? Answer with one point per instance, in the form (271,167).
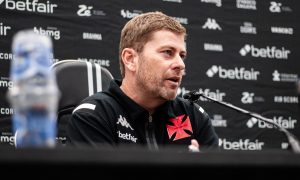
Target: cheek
(153,66)
(149,73)
(155,71)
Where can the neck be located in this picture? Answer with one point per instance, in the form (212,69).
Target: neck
(140,96)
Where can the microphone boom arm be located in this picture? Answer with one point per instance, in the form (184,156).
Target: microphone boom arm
(294,143)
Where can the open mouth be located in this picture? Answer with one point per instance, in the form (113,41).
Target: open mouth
(174,79)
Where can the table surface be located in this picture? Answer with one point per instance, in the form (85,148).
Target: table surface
(68,161)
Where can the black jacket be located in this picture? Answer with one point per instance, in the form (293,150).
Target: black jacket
(111,117)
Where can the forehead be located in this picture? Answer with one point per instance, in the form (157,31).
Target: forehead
(167,38)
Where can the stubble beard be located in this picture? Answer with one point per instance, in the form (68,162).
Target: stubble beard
(152,85)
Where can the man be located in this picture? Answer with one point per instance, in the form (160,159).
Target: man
(143,107)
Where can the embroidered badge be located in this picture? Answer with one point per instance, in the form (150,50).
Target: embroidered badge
(181,125)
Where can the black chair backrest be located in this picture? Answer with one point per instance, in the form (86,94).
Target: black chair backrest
(76,80)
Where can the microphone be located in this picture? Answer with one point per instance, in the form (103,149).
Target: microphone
(194,96)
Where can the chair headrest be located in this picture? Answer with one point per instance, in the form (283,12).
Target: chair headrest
(77,80)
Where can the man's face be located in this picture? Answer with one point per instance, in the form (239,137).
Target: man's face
(161,66)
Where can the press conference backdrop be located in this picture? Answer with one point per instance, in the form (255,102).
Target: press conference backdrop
(245,52)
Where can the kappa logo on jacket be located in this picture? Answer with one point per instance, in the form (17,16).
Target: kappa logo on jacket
(122,120)
(127,136)
(181,127)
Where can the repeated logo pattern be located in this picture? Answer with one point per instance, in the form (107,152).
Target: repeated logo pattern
(234,54)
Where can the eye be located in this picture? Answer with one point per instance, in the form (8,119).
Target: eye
(183,56)
(168,52)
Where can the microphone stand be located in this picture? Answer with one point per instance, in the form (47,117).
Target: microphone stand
(294,143)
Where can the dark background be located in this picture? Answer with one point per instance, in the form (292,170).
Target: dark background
(214,23)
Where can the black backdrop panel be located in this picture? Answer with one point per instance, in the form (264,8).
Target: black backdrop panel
(244,52)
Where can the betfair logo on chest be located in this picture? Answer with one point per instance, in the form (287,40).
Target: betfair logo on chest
(127,136)
(29,5)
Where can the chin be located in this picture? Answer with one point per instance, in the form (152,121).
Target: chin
(171,95)
(168,94)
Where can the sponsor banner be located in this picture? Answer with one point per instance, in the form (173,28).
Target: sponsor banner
(5,82)
(278,7)
(218,121)
(52,32)
(282,30)
(237,73)
(258,59)
(182,20)
(6,56)
(246,4)
(271,52)
(286,99)
(101,62)
(284,77)
(211,24)
(174,1)
(241,144)
(4,29)
(248,28)
(29,6)
(250,98)
(218,3)
(286,122)
(87,11)
(92,36)
(213,47)
(125,13)
(6,111)
(7,138)
(215,94)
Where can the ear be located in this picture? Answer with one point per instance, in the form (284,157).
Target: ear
(129,58)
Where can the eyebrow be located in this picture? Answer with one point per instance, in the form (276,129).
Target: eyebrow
(173,48)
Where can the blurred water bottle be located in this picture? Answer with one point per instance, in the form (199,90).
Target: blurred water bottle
(34,95)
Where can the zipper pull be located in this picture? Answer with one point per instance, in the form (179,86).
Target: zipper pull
(150,120)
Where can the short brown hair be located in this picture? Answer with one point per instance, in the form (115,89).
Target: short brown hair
(139,29)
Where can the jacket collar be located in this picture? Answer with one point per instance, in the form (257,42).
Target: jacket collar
(135,111)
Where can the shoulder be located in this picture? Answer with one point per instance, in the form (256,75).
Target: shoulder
(95,102)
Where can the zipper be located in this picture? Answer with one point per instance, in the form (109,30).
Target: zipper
(150,134)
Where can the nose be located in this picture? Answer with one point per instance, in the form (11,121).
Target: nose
(178,63)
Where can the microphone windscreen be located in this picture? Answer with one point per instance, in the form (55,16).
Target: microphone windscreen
(187,96)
